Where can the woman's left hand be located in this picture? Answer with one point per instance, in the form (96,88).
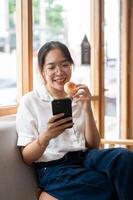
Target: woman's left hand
(83,95)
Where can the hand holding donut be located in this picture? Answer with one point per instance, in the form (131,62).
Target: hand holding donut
(79,92)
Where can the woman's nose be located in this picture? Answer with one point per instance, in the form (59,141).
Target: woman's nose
(58,69)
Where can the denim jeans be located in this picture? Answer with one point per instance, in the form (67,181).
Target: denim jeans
(91,175)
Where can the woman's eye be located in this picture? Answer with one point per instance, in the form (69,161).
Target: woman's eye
(51,68)
(65,65)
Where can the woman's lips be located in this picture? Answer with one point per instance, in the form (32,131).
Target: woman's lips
(60,80)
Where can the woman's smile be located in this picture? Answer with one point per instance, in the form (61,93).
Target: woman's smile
(59,80)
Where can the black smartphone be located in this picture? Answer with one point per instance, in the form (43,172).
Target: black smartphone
(63,105)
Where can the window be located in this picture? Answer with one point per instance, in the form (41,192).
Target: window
(8,75)
(112,68)
(121,122)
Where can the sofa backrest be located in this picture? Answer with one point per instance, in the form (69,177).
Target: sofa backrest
(17,180)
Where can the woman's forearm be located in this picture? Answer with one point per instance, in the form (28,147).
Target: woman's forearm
(35,149)
(91,132)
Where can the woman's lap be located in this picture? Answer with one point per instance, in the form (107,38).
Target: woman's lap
(66,183)
(89,180)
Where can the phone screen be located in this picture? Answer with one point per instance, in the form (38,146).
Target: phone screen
(62,106)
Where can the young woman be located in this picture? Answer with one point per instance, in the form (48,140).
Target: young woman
(67,161)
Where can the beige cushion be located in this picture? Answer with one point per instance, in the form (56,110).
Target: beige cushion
(17,180)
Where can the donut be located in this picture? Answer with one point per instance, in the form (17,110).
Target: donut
(70,88)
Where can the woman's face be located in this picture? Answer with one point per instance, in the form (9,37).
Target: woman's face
(56,70)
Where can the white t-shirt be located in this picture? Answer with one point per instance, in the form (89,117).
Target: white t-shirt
(32,117)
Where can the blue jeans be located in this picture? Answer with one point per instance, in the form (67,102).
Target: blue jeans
(91,175)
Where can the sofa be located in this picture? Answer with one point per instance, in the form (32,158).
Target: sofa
(17,180)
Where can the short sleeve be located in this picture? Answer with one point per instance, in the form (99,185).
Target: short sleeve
(25,119)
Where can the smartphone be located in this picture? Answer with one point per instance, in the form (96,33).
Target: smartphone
(62,106)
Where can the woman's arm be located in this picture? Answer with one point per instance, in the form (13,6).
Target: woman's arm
(56,126)
(91,133)
(34,150)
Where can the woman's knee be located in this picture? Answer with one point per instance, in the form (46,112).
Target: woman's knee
(46,196)
(127,156)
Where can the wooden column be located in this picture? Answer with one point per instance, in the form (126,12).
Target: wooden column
(130,103)
(97,62)
(24,45)
(125,68)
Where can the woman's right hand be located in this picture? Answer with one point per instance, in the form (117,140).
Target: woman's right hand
(56,126)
